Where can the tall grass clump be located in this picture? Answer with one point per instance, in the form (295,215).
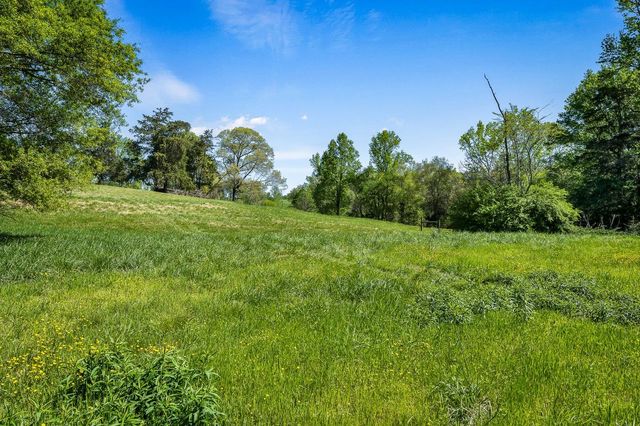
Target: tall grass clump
(465,403)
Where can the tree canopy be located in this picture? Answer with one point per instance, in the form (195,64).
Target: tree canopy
(65,71)
(243,155)
(335,172)
(601,143)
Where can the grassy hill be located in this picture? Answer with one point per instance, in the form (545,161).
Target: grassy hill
(315,319)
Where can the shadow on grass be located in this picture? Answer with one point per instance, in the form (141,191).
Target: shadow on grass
(7,239)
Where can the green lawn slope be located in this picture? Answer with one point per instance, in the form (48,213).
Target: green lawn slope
(316,319)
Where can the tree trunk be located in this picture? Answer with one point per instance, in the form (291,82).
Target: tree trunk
(504,124)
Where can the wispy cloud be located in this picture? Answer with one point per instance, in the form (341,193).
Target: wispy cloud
(340,22)
(166,89)
(259,23)
(372,24)
(226,123)
(304,117)
(282,25)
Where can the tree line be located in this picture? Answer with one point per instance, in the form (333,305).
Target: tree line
(67,72)
(166,155)
(519,172)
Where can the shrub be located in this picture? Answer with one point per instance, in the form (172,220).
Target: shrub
(488,208)
(549,210)
(116,387)
(634,228)
(542,208)
(301,198)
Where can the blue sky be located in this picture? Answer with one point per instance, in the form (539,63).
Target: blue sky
(301,71)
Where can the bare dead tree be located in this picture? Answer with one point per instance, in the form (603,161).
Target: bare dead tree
(505,117)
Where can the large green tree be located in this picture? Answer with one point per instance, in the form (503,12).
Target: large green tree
(244,155)
(383,190)
(335,172)
(439,184)
(165,144)
(506,169)
(601,122)
(65,69)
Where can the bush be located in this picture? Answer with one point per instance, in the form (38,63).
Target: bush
(488,208)
(301,198)
(543,208)
(116,387)
(549,210)
(40,180)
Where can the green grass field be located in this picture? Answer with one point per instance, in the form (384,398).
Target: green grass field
(311,319)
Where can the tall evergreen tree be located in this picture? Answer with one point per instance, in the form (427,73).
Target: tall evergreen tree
(165,143)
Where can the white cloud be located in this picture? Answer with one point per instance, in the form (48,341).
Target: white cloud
(294,154)
(304,117)
(373,17)
(198,130)
(243,121)
(166,89)
(258,23)
(226,123)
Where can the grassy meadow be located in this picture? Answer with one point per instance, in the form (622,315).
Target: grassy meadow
(310,319)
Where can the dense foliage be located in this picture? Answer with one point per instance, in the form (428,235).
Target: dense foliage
(600,147)
(492,194)
(65,73)
(116,386)
(504,208)
(166,155)
(392,187)
(112,384)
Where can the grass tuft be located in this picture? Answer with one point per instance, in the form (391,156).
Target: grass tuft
(571,295)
